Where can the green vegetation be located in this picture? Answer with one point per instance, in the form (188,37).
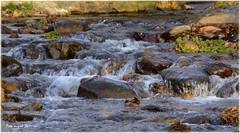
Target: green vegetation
(226,3)
(52,35)
(25,7)
(198,45)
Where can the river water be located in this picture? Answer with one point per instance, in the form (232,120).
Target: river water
(58,82)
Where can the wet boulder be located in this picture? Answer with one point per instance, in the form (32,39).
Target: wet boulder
(70,27)
(220,69)
(151,38)
(228,89)
(202,119)
(62,49)
(186,79)
(183,61)
(230,116)
(6,30)
(178,127)
(8,86)
(152,64)
(100,87)
(10,67)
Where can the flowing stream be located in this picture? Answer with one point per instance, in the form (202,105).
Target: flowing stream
(54,83)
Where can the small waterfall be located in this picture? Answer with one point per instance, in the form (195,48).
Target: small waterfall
(64,86)
(194,88)
(128,68)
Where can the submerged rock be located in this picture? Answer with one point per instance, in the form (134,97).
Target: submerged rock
(6,30)
(230,116)
(10,67)
(186,80)
(199,120)
(178,127)
(100,87)
(228,89)
(64,27)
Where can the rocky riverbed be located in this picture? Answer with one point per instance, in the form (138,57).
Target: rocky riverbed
(79,82)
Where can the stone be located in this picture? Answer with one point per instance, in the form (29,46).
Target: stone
(178,127)
(210,31)
(186,80)
(100,87)
(167,120)
(153,108)
(65,51)
(135,102)
(202,119)
(152,64)
(10,67)
(220,69)
(8,86)
(14,35)
(183,61)
(230,116)
(171,5)
(228,89)
(17,117)
(138,36)
(6,30)
(64,27)
(179,30)
(3,99)
(160,88)
(33,107)
(151,38)
(219,19)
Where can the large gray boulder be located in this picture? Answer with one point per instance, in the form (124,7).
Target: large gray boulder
(100,87)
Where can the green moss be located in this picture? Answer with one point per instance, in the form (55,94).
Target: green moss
(202,46)
(52,35)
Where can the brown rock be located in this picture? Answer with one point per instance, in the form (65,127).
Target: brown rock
(135,102)
(14,35)
(9,87)
(152,64)
(209,31)
(151,38)
(10,67)
(219,69)
(185,95)
(167,120)
(3,99)
(179,128)
(224,18)
(153,108)
(70,27)
(179,30)
(17,117)
(65,51)
(230,115)
(138,36)
(33,107)
(160,88)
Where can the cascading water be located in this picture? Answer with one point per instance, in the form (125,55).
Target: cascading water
(55,84)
